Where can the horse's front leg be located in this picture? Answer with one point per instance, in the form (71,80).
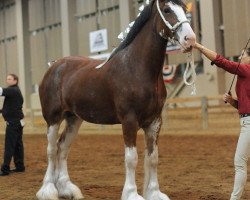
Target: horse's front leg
(130,128)
(48,191)
(151,189)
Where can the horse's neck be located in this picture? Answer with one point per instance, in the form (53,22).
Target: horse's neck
(148,48)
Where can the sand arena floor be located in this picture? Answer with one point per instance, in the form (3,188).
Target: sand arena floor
(197,167)
(194,164)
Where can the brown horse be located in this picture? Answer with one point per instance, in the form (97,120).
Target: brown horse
(128,89)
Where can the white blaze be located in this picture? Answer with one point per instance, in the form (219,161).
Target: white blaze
(185,31)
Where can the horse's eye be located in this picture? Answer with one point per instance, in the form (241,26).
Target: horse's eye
(167,10)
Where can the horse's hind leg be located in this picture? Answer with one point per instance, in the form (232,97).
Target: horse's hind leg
(66,189)
(48,190)
(151,186)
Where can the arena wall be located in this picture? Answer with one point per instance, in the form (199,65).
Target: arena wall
(34,32)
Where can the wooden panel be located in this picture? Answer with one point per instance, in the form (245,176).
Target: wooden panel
(247,17)
(36,14)
(84,7)
(52,12)
(83,28)
(104,4)
(12,60)
(38,57)
(1,24)
(2,65)
(10,15)
(236,23)
(111,21)
(9,2)
(54,43)
(57,11)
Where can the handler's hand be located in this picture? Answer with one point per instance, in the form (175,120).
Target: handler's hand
(228,98)
(197,45)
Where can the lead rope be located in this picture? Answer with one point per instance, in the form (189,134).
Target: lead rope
(190,64)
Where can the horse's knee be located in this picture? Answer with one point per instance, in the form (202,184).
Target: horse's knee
(63,152)
(51,151)
(151,135)
(155,127)
(152,157)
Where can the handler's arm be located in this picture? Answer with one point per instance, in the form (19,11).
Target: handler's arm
(211,55)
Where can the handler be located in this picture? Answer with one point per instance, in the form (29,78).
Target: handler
(13,115)
(243,105)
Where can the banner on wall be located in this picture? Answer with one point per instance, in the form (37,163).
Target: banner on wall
(98,41)
(175,48)
(169,72)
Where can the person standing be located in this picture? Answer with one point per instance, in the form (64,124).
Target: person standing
(242,103)
(13,115)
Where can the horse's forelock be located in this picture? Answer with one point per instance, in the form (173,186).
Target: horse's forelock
(180,3)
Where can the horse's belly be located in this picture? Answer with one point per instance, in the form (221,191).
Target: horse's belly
(98,116)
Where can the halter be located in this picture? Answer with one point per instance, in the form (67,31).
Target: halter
(174,28)
(190,58)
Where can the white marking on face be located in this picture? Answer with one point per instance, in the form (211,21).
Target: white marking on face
(185,31)
(178,10)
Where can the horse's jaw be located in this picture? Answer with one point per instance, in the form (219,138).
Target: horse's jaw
(187,50)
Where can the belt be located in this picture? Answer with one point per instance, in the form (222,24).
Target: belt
(244,115)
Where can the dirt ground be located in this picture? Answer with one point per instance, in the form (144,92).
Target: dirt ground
(191,167)
(194,163)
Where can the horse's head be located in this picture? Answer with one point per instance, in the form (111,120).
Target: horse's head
(173,23)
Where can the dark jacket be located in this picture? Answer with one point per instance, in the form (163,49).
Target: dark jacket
(13,104)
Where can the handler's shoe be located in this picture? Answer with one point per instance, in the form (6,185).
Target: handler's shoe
(17,170)
(4,173)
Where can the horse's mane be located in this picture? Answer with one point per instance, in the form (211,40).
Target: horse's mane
(139,23)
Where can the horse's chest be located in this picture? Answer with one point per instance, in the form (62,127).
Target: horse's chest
(149,101)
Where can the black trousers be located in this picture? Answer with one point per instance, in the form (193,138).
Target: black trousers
(13,146)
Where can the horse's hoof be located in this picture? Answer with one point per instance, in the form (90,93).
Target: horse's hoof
(47,192)
(69,190)
(133,196)
(157,195)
